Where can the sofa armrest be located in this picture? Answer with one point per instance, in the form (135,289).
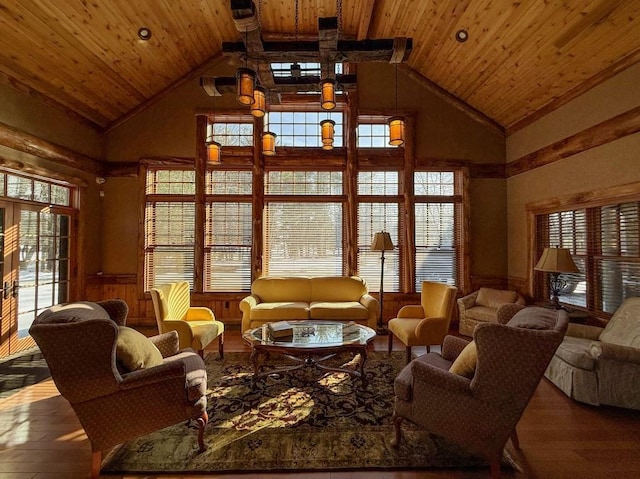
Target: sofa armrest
(468,301)
(199,313)
(248,302)
(614,352)
(453,346)
(370,302)
(584,331)
(411,311)
(168,343)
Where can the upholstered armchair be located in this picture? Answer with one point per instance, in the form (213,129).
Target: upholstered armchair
(120,384)
(474,393)
(601,365)
(196,326)
(426,323)
(482,306)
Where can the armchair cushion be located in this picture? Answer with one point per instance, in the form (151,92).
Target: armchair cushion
(494,298)
(624,327)
(135,351)
(465,363)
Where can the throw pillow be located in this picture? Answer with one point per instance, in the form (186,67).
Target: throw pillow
(135,351)
(465,363)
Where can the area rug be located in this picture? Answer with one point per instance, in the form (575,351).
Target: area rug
(301,420)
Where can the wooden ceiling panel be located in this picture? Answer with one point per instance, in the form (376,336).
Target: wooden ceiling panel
(521,57)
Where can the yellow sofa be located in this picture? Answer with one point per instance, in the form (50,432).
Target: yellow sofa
(336,298)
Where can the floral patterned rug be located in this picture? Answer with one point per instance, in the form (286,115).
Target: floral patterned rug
(301,420)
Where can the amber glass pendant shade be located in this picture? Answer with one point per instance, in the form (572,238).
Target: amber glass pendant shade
(396,131)
(213,152)
(259,106)
(328,94)
(327,131)
(246,82)
(269,143)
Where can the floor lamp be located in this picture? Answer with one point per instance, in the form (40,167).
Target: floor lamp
(381,242)
(556,261)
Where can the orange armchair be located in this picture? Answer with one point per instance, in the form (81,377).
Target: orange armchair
(426,323)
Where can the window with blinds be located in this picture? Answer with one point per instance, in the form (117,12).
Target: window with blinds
(604,242)
(438,216)
(378,210)
(303,232)
(228,231)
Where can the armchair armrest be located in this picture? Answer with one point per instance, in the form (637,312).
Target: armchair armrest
(453,346)
(183,328)
(508,311)
(199,313)
(168,343)
(614,352)
(163,372)
(584,331)
(432,327)
(370,302)
(439,378)
(468,301)
(411,311)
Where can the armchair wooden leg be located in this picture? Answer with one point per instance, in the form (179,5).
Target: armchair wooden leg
(408,352)
(221,345)
(202,422)
(96,462)
(390,346)
(397,421)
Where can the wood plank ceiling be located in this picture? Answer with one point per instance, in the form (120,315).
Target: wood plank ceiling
(521,58)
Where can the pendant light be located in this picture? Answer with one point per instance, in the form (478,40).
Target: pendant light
(396,123)
(245,80)
(268,137)
(328,94)
(327,129)
(214,149)
(259,106)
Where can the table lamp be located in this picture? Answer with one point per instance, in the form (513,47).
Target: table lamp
(556,261)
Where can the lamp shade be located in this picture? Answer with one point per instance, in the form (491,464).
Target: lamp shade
(259,105)
(246,82)
(269,143)
(556,260)
(213,152)
(381,242)
(327,131)
(396,131)
(328,94)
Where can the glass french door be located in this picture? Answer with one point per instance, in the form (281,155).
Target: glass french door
(34,256)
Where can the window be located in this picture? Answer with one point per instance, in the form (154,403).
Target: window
(306,69)
(437,231)
(378,210)
(373,132)
(228,231)
(604,242)
(303,232)
(169,227)
(231,133)
(302,128)
(32,189)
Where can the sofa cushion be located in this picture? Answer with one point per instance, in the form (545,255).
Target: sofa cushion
(344,310)
(494,298)
(135,351)
(283,310)
(274,289)
(623,328)
(465,363)
(337,288)
(575,351)
(535,318)
(482,313)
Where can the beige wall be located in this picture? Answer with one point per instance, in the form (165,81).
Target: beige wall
(167,128)
(615,163)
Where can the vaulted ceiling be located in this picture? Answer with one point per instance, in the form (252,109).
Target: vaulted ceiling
(522,57)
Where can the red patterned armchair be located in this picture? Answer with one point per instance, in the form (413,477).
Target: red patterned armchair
(120,384)
(475,392)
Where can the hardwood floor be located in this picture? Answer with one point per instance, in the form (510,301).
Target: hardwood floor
(40,438)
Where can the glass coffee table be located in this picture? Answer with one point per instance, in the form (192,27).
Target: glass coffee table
(310,345)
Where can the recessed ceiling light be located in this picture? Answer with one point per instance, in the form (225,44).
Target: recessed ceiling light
(144,33)
(462,36)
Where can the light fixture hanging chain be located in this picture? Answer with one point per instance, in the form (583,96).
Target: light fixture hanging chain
(259,11)
(396,89)
(339,15)
(296,19)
